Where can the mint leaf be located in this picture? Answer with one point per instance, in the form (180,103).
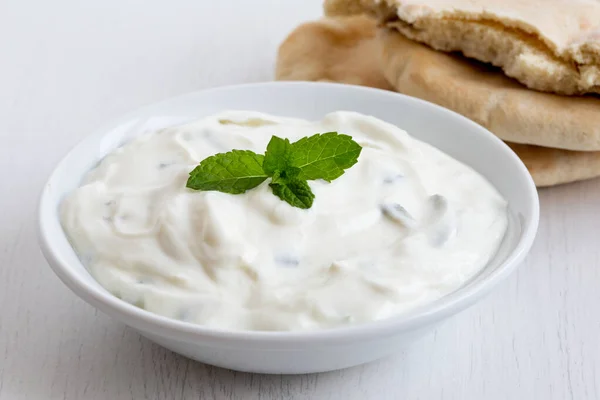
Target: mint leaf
(294,191)
(277,156)
(324,156)
(232,172)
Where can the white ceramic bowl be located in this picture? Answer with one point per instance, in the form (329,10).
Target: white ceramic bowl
(298,352)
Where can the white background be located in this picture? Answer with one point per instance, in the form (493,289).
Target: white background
(66,66)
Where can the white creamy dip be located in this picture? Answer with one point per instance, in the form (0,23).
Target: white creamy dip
(404,226)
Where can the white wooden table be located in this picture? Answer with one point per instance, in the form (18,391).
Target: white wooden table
(68,65)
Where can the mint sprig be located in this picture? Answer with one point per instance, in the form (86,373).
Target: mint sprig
(289,165)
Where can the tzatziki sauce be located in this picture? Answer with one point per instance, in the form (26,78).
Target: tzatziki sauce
(406,225)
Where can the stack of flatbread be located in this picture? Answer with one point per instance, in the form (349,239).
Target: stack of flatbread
(529,71)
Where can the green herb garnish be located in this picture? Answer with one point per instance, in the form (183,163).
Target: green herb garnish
(289,165)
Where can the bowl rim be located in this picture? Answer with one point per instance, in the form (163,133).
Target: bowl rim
(187,331)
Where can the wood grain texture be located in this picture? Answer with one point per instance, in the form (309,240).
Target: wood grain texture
(70,65)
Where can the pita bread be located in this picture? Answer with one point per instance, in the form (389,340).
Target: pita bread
(485,95)
(547,45)
(307,55)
